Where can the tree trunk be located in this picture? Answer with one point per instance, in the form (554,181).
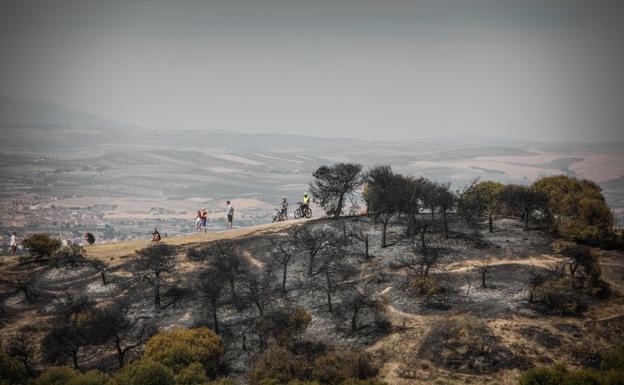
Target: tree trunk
(446,235)
(354,320)
(422,238)
(75,359)
(215,320)
(157,293)
(490,222)
(383,233)
(120,352)
(526,220)
(366,246)
(339,207)
(284,271)
(329,298)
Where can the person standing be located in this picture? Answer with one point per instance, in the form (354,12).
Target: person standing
(198,222)
(230,214)
(204,218)
(13,243)
(285,207)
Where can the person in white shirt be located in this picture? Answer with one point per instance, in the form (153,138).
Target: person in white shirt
(230,214)
(13,243)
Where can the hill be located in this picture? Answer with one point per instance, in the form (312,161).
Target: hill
(468,319)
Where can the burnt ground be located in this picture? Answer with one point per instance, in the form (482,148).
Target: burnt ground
(426,338)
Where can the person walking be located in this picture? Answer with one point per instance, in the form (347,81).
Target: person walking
(13,243)
(230,214)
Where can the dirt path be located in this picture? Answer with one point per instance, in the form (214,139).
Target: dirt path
(544,261)
(114,250)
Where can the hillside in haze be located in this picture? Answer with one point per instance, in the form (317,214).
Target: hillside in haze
(82,172)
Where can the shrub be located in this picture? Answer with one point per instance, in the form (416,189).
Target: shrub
(41,245)
(284,325)
(11,370)
(559,297)
(277,365)
(336,367)
(144,372)
(67,376)
(180,348)
(194,374)
(222,381)
(425,286)
(92,377)
(368,381)
(613,359)
(69,256)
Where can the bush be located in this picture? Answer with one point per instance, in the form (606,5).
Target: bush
(69,256)
(277,365)
(613,359)
(144,372)
(179,348)
(41,245)
(67,376)
(11,370)
(611,372)
(336,367)
(560,297)
(425,286)
(194,374)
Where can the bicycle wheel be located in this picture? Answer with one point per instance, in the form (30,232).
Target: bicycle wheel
(308,213)
(297,213)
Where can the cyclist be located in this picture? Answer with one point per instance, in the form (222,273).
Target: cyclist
(305,203)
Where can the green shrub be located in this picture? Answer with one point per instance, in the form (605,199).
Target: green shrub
(336,367)
(144,372)
(92,377)
(194,374)
(559,297)
(11,370)
(613,359)
(277,365)
(179,348)
(56,376)
(41,245)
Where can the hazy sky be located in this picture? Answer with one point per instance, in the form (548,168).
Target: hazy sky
(542,69)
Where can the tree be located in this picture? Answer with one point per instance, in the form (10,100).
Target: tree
(421,261)
(577,209)
(383,196)
(211,284)
(23,349)
(63,342)
(523,199)
(579,256)
(258,288)
(446,202)
(41,246)
(481,198)
(313,241)
(334,270)
(430,197)
(223,256)
(334,184)
(281,255)
(113,325)
(356,301)
(153,262)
